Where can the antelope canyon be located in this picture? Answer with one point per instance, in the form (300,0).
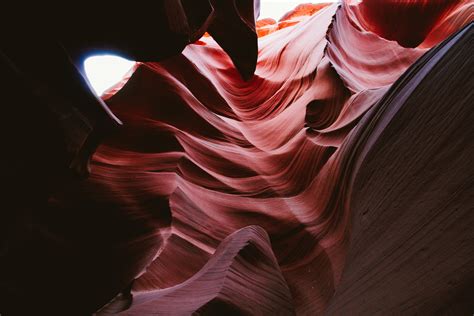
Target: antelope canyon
(319,164)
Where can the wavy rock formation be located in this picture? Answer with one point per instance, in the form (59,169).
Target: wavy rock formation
(410,244)
(334,180)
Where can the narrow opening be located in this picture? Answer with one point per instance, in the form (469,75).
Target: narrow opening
(105,71)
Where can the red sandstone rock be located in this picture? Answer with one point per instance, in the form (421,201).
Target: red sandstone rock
(337,179)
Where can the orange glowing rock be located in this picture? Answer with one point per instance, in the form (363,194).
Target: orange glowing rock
(302,10)
(266,26)
(293,17)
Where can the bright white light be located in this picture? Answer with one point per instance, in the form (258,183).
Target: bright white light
(275,9)
(104,71)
